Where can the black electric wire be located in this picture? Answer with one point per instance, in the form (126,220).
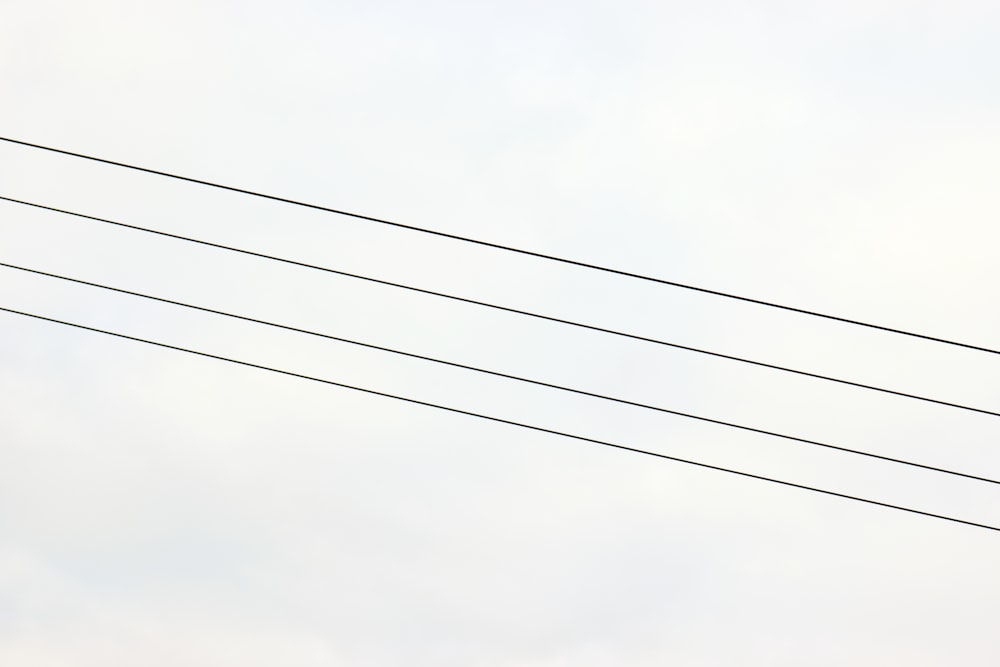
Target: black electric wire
(515,311)
(500,420)
(508,376)
(530,253)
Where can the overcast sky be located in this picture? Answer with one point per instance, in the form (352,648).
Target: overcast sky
(162,509)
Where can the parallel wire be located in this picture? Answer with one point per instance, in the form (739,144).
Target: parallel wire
(508,376)
(500,420)
(515,311)
(498,246)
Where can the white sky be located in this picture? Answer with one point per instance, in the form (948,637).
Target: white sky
(162,509)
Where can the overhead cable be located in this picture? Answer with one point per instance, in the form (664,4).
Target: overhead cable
(498,246)
(508,376)
(500,420)
(507,309)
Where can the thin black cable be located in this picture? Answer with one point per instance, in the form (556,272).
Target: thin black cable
(500,420)
(508,376)
(530,253)
(515,311)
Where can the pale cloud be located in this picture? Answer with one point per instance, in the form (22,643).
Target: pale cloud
(166,509)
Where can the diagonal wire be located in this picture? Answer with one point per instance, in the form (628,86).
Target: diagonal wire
(488,244)
(515,311)
(508,376)
(499,420)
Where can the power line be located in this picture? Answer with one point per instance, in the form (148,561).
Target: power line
(508,376)
(500,420)
(507,309)
(488,244)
